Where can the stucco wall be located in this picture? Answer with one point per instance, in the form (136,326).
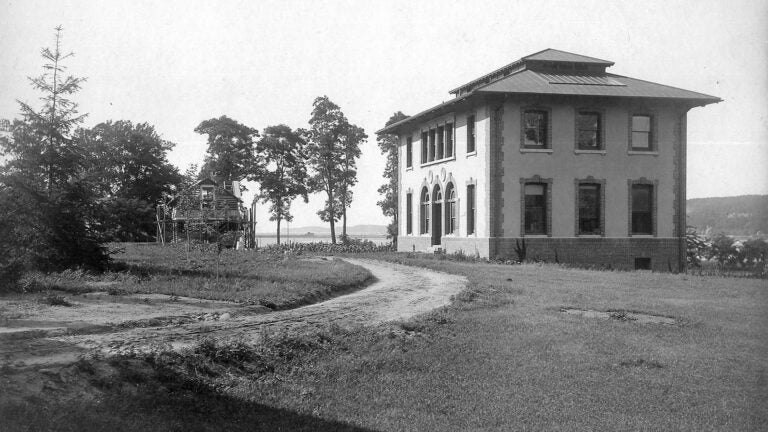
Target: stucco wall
(497,227)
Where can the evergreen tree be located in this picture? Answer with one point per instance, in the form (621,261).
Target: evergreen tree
(43,179)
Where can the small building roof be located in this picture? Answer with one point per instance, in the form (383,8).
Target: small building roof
(555,72)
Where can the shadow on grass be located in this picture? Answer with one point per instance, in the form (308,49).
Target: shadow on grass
(160,400)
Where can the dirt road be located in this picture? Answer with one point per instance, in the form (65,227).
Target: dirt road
(399,292)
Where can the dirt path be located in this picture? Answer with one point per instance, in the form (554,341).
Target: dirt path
(400,292)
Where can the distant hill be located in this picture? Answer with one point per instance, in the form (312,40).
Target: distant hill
(326,230)
(740,215)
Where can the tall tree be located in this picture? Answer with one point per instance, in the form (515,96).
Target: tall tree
(350,143)
(283,177)
(130,161)
(230,154)
(43,174)
(131,172)
(328,132)
(388,144)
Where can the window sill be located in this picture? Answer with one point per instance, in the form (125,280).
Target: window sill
(640,152)
(410,168)
(590,235)
(536,235)
(600,152)
(474,153)
(643,235)
(438,161)
(533,150)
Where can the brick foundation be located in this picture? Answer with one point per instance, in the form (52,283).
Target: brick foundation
(614,253)
(610,253)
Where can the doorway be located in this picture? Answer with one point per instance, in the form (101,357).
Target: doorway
(437,216)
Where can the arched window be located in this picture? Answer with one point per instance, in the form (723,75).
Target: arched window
(450,209)
(424,211)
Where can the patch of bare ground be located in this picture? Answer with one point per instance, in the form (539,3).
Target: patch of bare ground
(110,324)
(621,315)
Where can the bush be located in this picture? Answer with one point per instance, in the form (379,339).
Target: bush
(350,246)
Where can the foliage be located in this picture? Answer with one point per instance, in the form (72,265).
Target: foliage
(349,246)
(283,176)
(128,165)
(332,150)
(388,144)
(230,153)
(723,249)
(55,208)
(697,247)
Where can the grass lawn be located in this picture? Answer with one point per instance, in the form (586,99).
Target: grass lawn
(276,281)
(501,357)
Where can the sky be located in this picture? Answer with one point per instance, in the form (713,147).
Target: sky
(174,64)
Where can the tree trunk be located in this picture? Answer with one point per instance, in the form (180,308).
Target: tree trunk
(332,216)
(344,224)
(278,229)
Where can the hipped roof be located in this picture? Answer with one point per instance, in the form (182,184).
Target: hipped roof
(519,78)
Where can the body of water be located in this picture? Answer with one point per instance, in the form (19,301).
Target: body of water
(267,239)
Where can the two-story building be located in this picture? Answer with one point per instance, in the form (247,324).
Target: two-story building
(549,158)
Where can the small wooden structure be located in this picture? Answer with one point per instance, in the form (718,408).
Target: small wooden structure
(207,211)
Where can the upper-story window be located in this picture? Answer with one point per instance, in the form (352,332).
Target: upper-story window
(536,129)
(641,133)
(449,140)
(437,143)
(440,142)
(206,196)
(470,134)
(589,131)
(408,152)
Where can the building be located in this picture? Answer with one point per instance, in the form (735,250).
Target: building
(549,158)
(203,212)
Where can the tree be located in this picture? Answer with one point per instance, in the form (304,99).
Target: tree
(723,250)
(326,157)
(351,139)
(284,174)
(43,175)
(132,175)
(130,161)
(230,153)
(388,144)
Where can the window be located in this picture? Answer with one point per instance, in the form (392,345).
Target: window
(642,209)
(423,147)
(470,134)
(589,209)
(588,131)
(206,195)
(408,152)
(424,211)
(535,221)
(535,129)
(440,142)
(449,140)
(641,135)
(450,209)
(470,209)
(431,145)
(409,213)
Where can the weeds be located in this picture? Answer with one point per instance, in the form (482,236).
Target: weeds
(52,299)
